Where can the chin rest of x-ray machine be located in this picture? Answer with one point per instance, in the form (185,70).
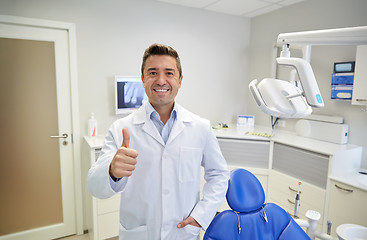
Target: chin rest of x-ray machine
(250,218)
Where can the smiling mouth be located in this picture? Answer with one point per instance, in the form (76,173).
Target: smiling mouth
(161,90)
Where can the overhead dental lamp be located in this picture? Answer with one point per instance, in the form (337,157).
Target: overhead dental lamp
(283,99)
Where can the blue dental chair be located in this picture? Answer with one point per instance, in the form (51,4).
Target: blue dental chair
(250,218)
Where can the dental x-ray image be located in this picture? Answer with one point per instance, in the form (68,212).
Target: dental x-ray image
(131,94)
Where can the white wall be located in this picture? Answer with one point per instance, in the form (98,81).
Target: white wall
(214,48)
(112,36)
(311,15)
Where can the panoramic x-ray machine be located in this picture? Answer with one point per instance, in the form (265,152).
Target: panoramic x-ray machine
(283,99)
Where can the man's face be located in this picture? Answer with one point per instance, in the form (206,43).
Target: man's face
(161,80)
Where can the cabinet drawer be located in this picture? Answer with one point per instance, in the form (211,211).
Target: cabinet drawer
(299,163)
(347,205)
(245,153)
(289,208)
(108,205)
(310,195)
(108,225)
(288,203)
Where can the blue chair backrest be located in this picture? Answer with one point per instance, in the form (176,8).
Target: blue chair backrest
(250,218)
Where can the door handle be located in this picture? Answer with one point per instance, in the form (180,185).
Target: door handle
(62,136)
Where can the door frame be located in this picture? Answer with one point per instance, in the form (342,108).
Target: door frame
(70,28)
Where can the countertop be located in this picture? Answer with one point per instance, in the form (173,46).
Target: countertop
(95,142)
(257,133)
(285,137)
(345,171)
(354,179)
(345,168)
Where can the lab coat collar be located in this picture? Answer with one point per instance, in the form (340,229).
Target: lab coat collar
(153,113)
(142,117)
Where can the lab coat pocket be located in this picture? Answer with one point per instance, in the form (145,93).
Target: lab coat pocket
(190,162)
(189,232)
(138,233)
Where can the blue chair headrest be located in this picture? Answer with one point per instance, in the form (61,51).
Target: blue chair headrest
(245,193)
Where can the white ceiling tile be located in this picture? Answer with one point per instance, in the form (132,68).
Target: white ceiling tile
(261,11)
(289,2)
(190,3)
(247,8)
(272,1)
(236,7)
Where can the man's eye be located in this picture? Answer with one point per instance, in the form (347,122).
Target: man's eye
(152,73)
(169,73)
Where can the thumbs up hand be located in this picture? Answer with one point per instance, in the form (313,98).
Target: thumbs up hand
(124,161)
(125,138)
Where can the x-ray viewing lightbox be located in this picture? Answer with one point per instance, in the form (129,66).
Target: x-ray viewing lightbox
(129,94)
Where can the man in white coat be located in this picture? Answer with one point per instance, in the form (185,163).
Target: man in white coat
(153,158)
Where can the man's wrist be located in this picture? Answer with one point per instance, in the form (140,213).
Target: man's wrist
(115,179)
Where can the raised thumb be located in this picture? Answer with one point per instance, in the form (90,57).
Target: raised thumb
(125,138)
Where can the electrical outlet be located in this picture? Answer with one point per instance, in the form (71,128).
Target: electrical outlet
(281,123)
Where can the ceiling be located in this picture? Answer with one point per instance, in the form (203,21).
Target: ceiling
(245,8)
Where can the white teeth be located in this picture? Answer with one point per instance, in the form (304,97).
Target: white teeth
(161,90)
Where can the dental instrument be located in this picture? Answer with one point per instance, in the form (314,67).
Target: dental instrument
(296,204)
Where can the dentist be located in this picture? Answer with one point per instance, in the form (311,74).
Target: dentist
(153,158)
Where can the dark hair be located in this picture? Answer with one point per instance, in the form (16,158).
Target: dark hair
(160,49)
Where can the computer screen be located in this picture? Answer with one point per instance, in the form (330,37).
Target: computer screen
(129,94)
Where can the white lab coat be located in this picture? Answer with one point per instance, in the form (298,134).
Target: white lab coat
(164,189)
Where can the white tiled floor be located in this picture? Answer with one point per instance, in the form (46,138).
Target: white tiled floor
(76,237)
(82,237)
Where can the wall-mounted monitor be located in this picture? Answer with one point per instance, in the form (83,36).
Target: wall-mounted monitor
(129,94)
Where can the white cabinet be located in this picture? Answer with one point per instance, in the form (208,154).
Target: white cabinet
(347,204)
(283,189)
(247,153)
(360,77)
(305,165)
(252,155)
(102,214)
(292,165)
(106,217)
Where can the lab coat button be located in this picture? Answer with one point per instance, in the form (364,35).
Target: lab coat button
(165,191)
